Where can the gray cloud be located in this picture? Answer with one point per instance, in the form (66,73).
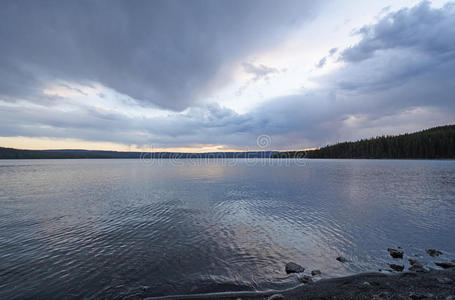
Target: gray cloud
(168,53)
(399,77)
(259,71)
(421,28)
(321,63)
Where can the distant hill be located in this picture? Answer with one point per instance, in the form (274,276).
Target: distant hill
(10,153)
(434,143)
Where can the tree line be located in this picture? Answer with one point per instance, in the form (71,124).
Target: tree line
(434,143)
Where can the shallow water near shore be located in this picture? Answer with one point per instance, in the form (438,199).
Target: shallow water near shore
(110,228)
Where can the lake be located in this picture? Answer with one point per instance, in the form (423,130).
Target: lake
(111,228)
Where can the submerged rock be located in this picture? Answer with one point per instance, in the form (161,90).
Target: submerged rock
(445,264)
(342,259)
(305,279)
(276,297)
(315,272)
(395,267)
(294,268)
(433,252)
(395,253)
(417,267)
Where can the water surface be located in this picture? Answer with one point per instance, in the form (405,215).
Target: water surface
(110,228)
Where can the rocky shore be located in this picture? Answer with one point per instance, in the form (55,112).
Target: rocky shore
(419,281)
(434,284)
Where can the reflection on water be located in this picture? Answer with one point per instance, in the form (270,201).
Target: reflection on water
(108,228)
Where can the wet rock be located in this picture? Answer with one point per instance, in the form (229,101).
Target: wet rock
(305,279)
(395,253)
(342,259)
(433,252)
(445,264)
(315,272)
(412,261)
(276,297)
(395,267)
(294,268)
(417,267)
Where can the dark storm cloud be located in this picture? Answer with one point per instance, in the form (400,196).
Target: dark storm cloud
(421,28)
(406,51)
(163,52)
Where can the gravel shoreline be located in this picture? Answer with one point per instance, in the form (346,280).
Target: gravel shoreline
(434,284)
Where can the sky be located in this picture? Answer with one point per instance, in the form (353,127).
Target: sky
(215,75)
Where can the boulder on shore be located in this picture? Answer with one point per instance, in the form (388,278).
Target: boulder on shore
(445,264)
(395,253)
(294,268)
(433,252)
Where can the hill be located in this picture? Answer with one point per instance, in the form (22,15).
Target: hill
(10,153)
(434,143)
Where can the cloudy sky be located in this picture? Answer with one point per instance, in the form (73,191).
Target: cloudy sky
(215,75)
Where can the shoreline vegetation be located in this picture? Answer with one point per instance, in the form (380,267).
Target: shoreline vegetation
(433,143)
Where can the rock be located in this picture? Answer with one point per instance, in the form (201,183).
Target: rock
(445,264)
(342,259)
(315,272)
(417,267)
(294,268)
(395,253)
(395,267)
(444,280)
(305,279)
(276,297)
(433,252)
(412,261)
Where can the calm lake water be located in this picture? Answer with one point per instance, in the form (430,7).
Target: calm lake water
(110,228)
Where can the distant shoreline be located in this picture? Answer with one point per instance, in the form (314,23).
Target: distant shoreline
(433,143)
